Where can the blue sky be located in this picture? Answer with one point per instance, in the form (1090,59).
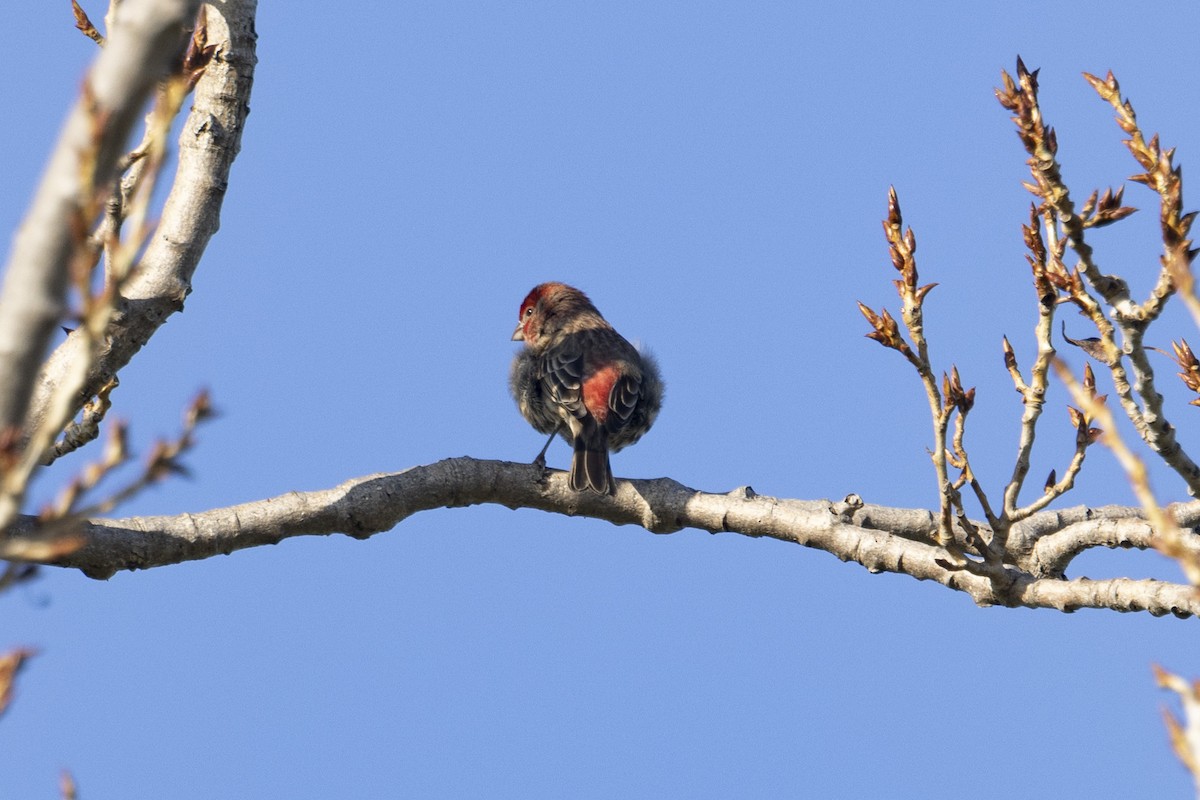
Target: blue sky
(713,175)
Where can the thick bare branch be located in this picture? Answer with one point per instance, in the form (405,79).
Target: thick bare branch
(880,539)
(144,43)
(210,141)
(1052,554)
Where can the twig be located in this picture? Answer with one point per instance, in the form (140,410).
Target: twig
(140,49)
(902,245)
(207,147)
(1170,537)
(10,664)
(1185,736)
(1138,396)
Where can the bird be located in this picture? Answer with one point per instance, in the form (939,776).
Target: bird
(576,377)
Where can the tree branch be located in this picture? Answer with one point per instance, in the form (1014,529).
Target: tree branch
(880,539)
(208,144)
(147,37)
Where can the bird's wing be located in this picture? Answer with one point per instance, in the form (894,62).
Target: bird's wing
(623,399)
(562,375)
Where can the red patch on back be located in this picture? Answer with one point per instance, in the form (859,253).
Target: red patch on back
(596,390)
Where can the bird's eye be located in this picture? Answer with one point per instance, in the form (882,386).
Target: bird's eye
(529,311)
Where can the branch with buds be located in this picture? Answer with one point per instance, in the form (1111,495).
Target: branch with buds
(1127,360)
(1053,227)
(943,401)
(1119,347)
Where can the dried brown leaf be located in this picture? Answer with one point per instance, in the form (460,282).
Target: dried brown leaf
(10,664)
(1092,345)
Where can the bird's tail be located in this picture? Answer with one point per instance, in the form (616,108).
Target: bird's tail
(590,468)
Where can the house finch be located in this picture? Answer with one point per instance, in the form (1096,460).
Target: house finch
(578,377)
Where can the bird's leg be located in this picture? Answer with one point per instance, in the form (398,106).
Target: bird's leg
(541,457)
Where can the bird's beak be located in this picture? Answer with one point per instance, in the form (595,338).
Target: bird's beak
(519,334)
